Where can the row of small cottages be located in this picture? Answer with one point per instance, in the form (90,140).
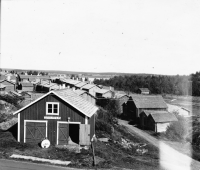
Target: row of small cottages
(62,83)
(148,111)
(57,115)
(62,114)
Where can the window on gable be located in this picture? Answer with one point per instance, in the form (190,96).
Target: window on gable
(52,108)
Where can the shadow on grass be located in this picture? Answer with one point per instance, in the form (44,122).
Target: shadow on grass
(13,130)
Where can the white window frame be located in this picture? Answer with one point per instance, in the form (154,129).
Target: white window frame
(52,108)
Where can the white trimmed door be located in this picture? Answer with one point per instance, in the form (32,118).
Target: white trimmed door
(35,131)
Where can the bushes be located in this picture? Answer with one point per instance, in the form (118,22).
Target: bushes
(12,100)
(107,118)
(177,130)
(101,125)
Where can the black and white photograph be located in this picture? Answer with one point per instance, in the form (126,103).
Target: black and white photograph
(100,84)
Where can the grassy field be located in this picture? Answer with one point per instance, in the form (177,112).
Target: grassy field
(188,102)
(114,153)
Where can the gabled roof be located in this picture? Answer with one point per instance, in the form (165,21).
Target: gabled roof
(102,91)
(55,87)
(71,98)
(88,86)
(74,82)
(80,92)
(161,116)
(81,84)
(1,81)
(144,89)
(108,87)
(70,81)
(148,101)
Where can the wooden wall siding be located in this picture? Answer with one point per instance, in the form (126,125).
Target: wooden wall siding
(91,121)
(63,131)
(35,131)
(84,137)
(151,124)
(37,111)
(122,100)
(143,120)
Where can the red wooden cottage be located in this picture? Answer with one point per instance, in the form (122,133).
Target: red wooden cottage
(57,116)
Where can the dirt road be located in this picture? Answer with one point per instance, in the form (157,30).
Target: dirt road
(170,159)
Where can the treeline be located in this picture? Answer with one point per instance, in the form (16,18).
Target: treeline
(177,85)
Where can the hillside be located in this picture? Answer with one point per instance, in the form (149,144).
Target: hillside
(123,150)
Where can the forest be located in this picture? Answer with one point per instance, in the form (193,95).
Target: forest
(157,84)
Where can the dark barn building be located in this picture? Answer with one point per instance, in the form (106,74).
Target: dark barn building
(57,116)
(137,103)
(122,98)
(156,120)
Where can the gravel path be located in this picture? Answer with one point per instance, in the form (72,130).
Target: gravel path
(170,159)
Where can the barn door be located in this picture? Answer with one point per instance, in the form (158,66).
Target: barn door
(84,134)
(35,131)
(63,133)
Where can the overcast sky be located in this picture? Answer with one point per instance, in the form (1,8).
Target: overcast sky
(134,36)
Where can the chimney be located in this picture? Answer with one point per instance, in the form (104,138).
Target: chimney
(60,86)
(63,86)
(73,88)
